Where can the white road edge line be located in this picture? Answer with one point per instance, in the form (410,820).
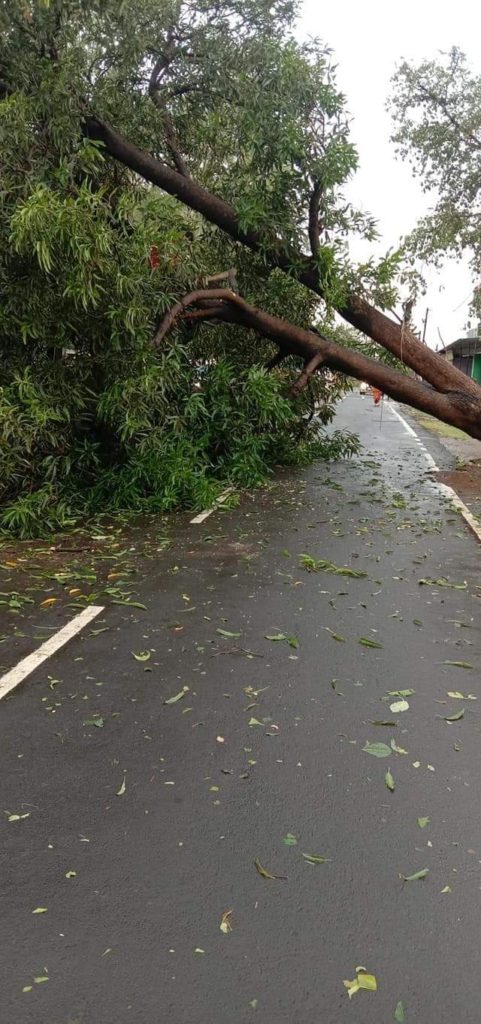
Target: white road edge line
(208,512)
(445,489)
(27,665)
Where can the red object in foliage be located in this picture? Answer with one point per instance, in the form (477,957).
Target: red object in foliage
(154,258)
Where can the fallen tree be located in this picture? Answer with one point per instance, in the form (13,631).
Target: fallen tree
(316,351)
(450,395)
(245,136)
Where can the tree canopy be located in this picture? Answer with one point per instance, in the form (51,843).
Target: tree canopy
(244,132)
(436,107)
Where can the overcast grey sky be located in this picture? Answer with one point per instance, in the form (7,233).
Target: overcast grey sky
(368,40)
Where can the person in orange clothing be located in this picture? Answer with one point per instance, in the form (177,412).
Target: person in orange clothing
(377,395)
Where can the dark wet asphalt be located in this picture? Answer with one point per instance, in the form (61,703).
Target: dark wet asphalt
(133,937)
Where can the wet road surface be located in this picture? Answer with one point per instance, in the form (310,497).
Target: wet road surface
(131,825)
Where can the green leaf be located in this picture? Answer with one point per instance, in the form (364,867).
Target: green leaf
(461,696)
(377,749)
(97,721)
(312,858)
(442,582)
(398,706)
(400,693)
(141,656)
(321,564)
(367,642)
(131,604)
(367,982)
(178,696)
(456,717)
(267,874)
(363,980)
(39,910)
(388,779)
(255,721)
(40,979)
(226,632)
(121,791)
(290,840)
(399,1014)
(422,822)
(459,664)
(417,876)
(293,642)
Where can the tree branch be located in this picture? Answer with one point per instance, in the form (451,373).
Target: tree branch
(317,350)
(160,67)
(310,367)
(356,311)
(314,226)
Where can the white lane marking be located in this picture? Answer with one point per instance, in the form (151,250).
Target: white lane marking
(407,427)
(409,430)
(208,512)
(27,665)
(445,489)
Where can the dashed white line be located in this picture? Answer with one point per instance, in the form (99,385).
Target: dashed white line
(27,665)
(445,489)
(208,512)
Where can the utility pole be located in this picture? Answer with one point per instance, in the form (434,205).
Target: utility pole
(425,325)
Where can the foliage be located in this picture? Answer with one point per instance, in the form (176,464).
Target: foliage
(91,418)
(436,106)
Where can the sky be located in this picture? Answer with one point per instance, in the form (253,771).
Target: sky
(369,39)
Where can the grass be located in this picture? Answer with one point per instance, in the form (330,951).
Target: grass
(437,426)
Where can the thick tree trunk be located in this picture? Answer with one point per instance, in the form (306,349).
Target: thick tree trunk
(317,351)
(463,405)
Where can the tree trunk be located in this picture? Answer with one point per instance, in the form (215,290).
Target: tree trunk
(316,351)
(462,406)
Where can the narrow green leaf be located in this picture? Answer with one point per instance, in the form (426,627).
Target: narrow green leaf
(312,858)
(367,642)
(400,1014)
(400,693)
(131,604)
(442,582)
(178,696)
(417,876)
(226,632)
(267,874)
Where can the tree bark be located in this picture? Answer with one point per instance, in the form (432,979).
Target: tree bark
(463,393)
(317,351)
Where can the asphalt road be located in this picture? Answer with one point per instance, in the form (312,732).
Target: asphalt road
(143,827)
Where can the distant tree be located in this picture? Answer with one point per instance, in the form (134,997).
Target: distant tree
(436,106)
